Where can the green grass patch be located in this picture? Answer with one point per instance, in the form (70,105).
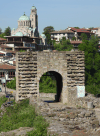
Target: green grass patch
(3,99)
(23,115)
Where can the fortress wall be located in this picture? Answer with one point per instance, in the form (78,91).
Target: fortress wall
(30,66)
(75,74)
(26,74)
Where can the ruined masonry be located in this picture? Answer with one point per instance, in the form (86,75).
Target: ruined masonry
(68,68)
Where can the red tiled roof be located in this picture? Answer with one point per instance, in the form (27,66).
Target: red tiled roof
(2,39)
(94,29)
(75,42)
(6,66)
(62,31)
(82,30)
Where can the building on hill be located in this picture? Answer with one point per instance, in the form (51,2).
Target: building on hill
(27,26)
(7,71)
(57,35)
(2,41)
(78,32)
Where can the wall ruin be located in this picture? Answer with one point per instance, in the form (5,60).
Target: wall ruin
(30,66)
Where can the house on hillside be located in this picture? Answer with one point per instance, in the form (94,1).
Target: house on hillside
(57,35)
(78,32)
(7,71)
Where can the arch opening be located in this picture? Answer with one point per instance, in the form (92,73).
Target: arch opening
(57,83)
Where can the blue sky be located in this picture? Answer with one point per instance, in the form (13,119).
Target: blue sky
(57,13)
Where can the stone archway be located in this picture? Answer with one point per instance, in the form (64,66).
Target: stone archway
(59,84)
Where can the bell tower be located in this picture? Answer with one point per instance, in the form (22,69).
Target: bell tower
(34,17)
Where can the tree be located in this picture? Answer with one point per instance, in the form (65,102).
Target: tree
(92,61)
(83,36)
(2,35)
(64,45)
(74,38)
(7,31)
(47,31)
(0,31)
(77,27)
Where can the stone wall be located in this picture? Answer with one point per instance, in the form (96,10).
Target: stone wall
(48,95)
(26,73)
(68,119)
(30,66)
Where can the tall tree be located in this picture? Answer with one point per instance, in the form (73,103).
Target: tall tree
(7,31)
(47,31)
(92,60)
(0,31)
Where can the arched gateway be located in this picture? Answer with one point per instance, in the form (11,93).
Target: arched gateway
(59,83)
(67,66)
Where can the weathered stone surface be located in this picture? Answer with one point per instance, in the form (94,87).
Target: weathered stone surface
(21,131)
(35,64)
(95,123)
(69,120)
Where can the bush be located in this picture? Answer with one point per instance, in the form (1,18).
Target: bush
(12,84)
(23,115)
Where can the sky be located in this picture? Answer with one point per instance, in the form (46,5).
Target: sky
(57,13)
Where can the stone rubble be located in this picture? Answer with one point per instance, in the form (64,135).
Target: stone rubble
(66,120)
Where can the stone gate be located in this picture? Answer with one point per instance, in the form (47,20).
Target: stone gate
(68,68)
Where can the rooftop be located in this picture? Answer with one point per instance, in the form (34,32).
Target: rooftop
(24,17)
(6,66)
(62,31)
(2,39)
(81,30)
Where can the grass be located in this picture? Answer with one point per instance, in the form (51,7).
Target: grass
(22,115)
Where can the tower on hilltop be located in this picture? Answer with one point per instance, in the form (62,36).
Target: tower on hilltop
(34,17)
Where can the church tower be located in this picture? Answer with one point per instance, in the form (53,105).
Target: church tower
(34,17)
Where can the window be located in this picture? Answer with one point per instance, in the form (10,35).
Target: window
(2,74)
(11,74)
(32,19)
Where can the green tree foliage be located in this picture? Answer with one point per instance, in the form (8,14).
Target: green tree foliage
(2,35)
(83,36)
(92,63)
(73,38)
(7,31)
(64,45)
(47,31)
(47,84)
(12,84)
(77,27)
